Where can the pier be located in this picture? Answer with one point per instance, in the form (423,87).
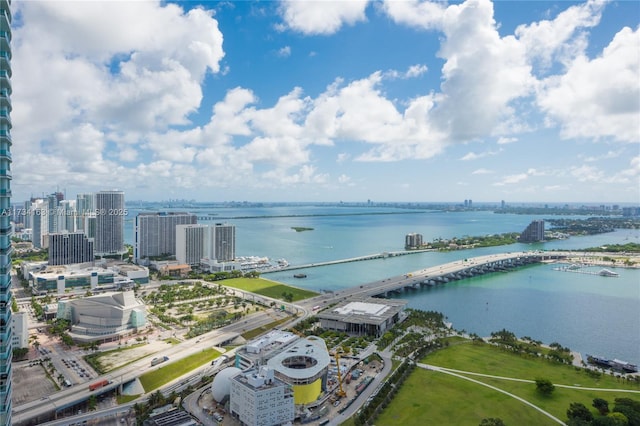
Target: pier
(578,269)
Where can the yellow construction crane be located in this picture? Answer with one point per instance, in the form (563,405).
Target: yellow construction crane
(340,392)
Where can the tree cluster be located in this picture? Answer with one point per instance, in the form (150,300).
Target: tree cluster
(626,412)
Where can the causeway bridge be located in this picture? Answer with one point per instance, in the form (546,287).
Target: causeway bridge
(448,272)
(465,268)
(382,255)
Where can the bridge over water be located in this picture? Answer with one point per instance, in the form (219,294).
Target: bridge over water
(382,255)
(451,271)
(466,268)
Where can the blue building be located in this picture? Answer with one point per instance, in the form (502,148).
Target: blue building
(5,207)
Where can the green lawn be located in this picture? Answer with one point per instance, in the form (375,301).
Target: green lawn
(171,371)
(429,397)
(488,359)
(268,288)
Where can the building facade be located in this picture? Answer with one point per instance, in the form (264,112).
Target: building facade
(190,243)
(533,233)
(155,233)
(20,329)
(5,216)
(258,398)
(39,224)
(66,248)
(221,242)
(84,207)
(363,316)
(110,212)
(413,241)
(103,317)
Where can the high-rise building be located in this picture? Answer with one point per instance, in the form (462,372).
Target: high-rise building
(39,223)
(190,243)
(155,233)
(66,216)
(52,212)
(67,248)
(110,212)
(413,241)
(221,244)
(84,208)
(5,208)
(534,232)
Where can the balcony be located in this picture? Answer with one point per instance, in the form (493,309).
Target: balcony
(5,82)
(5,65)
(5,154)
(5,20)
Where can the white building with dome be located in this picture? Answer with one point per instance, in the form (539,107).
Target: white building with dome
(221,385)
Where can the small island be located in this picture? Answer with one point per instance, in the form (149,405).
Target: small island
(301,228)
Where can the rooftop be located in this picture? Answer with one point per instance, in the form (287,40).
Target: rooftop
(369,310)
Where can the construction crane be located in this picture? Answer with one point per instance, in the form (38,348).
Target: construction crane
(340,392)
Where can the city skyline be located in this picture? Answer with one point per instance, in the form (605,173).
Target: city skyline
(324,101)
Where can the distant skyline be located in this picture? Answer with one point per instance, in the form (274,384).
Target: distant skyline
(393,101)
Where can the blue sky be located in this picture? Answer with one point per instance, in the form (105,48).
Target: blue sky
(328,100)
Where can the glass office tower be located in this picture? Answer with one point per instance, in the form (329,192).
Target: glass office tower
(5,207)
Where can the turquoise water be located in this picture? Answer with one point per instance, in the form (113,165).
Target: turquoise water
(588,313)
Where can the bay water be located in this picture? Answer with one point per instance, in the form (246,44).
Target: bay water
(587,313)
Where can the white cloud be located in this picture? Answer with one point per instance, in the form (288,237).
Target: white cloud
(473,156)
(344,179)
(284,52)
(512,179)
(482,172)
(607,155)
(505,140)
(322,17)
(547,39)
(587,173)
(359,111)
(416,70)
(421,14)
(102,85)
(483,72)
(598,98)
(342,157)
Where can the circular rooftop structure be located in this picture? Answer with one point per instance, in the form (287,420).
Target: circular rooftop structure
(221,386)
(302,362)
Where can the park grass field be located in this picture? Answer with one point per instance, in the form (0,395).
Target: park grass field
(172,370)
(488,359)
(268,288)
(430,397)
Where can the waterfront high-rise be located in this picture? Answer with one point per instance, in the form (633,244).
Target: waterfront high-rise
(155,233)
(190,243)
(413,241)
(110,212)
(6,350)
(534,232)
(221,244)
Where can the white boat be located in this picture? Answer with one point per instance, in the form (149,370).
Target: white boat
(607,273)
